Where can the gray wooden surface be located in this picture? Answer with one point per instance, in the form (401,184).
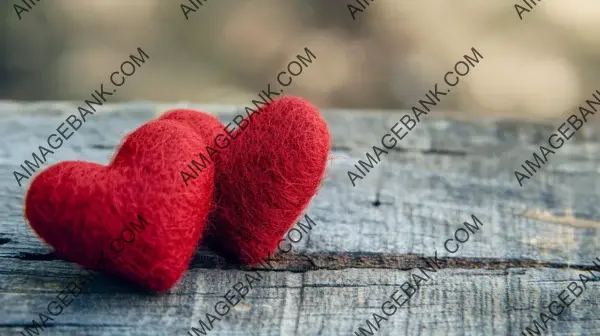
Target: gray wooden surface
(368,238)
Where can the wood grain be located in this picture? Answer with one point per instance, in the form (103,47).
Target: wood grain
(534,240)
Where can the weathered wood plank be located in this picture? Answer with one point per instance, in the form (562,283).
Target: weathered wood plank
(324,302)
(412,187)
(365,239)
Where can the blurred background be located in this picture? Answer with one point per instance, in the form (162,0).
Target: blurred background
(229,50)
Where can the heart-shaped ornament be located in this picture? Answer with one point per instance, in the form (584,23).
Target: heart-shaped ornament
(132,218)
(266,172)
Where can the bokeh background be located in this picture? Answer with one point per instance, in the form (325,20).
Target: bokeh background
(542,66)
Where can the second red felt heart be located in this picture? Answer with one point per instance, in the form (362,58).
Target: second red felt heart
(266,172)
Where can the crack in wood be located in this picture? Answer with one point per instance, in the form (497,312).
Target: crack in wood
(299,263)
(431,151)
(38,256)
(102,146)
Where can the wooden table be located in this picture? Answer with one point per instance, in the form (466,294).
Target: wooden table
(367,241)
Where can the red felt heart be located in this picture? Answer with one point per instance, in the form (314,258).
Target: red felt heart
(266,176)
(89,212)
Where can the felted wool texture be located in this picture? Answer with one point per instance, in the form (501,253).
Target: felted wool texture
(204,124)
(266,177)
(79,208)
